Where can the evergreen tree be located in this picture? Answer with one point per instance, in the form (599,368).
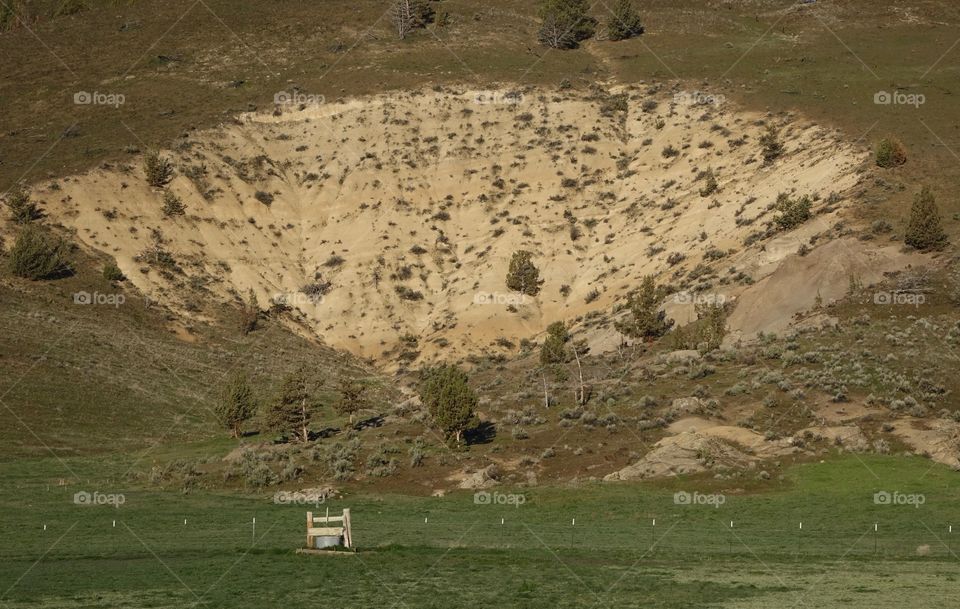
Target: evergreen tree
(236,405)
(645,320)
(523,276)
(351,397)
(565,23)
(924,231)
(554,349)
(625,22)
(250,313)
(292,410)
(22,209)
(449,400)
(158,170)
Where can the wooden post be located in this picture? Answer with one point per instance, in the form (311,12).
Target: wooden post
(347,533)
(309,526)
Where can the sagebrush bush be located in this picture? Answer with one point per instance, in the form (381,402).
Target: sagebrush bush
(890,153)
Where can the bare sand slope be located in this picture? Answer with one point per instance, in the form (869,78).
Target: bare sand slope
(405,209)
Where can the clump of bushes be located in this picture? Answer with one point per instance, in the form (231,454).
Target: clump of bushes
(890,153)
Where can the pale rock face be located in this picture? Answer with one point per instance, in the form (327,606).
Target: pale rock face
(397,214)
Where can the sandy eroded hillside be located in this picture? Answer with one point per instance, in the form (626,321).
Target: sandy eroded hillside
(399,213)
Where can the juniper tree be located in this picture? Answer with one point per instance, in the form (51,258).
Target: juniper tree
(554,349)
(645,320)
(624,22)
(250,313)
(292,410)
(351,397)
(236,405)
(22,209)
(523,276)
(157,169)
(445,392)
(924,230)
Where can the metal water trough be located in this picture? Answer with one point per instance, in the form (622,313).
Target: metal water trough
(321,542)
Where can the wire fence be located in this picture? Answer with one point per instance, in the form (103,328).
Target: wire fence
(113,534)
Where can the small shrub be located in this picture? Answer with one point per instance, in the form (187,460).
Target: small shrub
(890,153)
(157,169)
(111,272)
(22,209)
(172,205)
(924,231)
(793,212)
(770,145)
(36,254)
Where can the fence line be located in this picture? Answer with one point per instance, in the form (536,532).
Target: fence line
(662,536)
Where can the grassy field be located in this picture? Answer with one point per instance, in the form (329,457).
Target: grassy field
(163,549)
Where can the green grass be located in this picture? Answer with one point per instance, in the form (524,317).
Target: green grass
(142,553)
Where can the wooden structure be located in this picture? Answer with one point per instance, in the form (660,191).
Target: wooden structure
(328,535)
